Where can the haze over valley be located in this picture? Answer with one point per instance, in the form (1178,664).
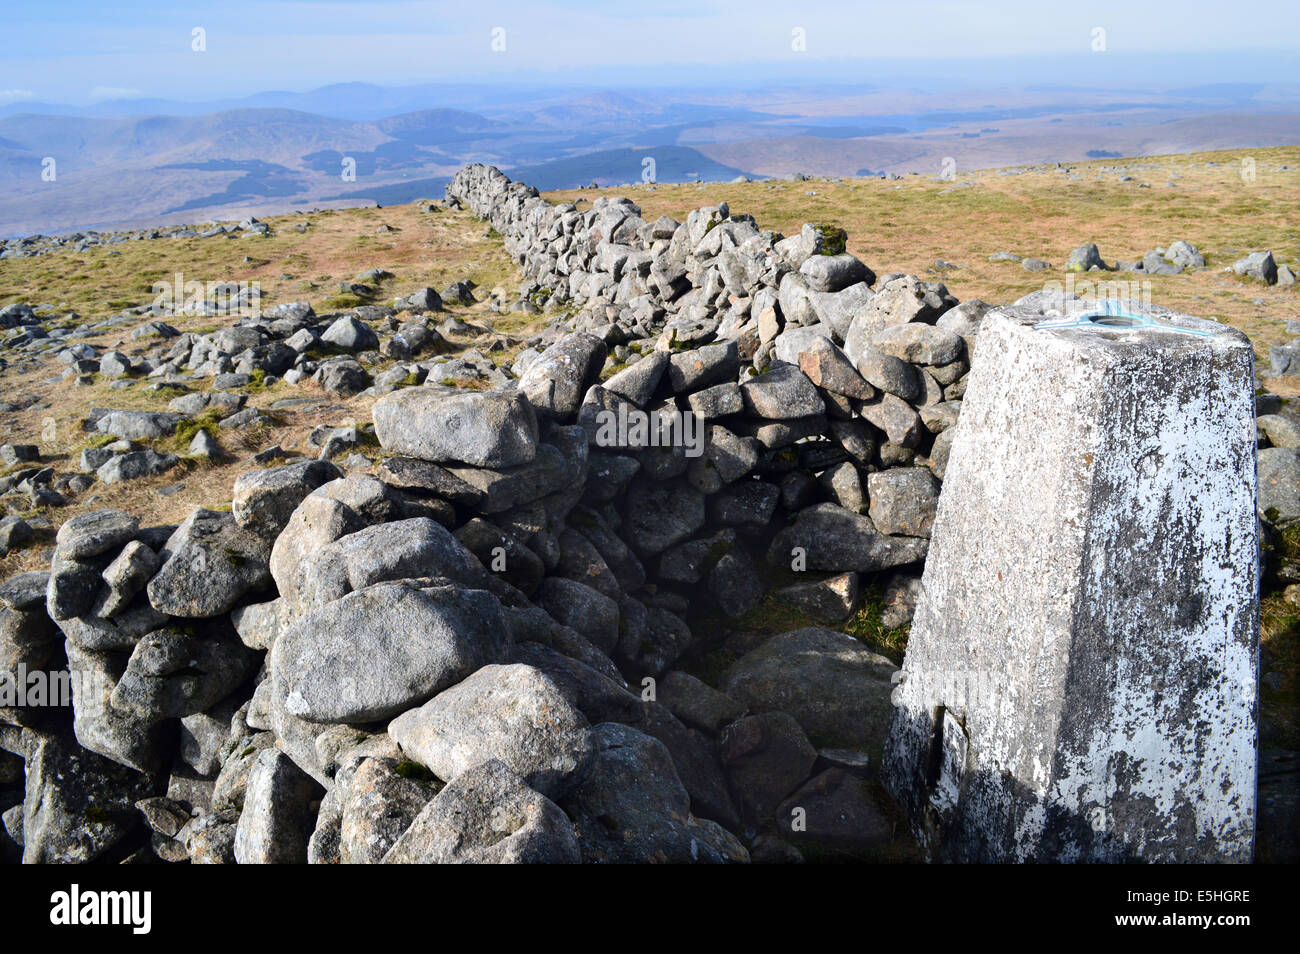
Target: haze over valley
(136,162)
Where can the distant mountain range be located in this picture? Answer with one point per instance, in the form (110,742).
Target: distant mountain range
(134,162)
(356,101)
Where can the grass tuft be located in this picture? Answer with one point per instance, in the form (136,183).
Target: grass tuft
(187,429)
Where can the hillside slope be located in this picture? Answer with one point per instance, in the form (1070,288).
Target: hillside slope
(940,230)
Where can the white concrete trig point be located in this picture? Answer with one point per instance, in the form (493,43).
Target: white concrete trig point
(1080,680)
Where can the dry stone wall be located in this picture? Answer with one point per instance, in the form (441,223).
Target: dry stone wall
(498,621)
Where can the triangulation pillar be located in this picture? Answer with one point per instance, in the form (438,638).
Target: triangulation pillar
(1080,679)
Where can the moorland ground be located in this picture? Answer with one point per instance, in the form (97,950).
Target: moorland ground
(1228,204)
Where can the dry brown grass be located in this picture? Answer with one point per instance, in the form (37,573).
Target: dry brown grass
(904,226)
(205,484)
(432,249)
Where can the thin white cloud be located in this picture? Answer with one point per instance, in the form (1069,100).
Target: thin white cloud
(100,93)
(255,45)
(15,95)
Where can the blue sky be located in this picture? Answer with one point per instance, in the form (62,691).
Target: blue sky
(82,51)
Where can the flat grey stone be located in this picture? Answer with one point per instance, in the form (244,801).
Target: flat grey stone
(892,375)
(829,368)
(265,499)
(832,273)
(661,514)
(125,577)
(782,393)
(209,564)
(840,812)
(350,334)
(696,703)
(556,382)
(703,367)
(1279,484)
(487,815)
(1281,430)
(765,757)
(172,674)
(138,425)
(632,808)
(90,534)
(835,687)
(593,614)
(513,713)
(276,821)
(504,488)
(381,650)
(903,500)
(78,805)
(639,381)
(918,344)
(379,803)
(836,540)
(827,601)
(404,549)
(414,474)
(898,419)
(134,465)
(480,428)
(135,741)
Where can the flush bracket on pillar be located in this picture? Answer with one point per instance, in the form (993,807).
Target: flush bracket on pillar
(946,765)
